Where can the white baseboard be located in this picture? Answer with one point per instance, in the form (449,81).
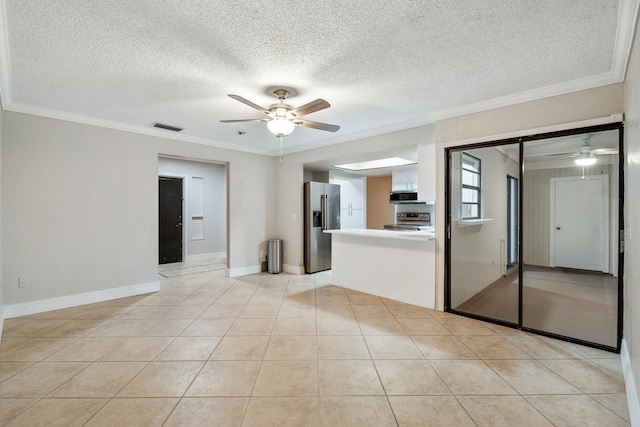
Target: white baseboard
(243,271)
(40,306)
(255,269)
(630,385)
(204,257)
(292,269)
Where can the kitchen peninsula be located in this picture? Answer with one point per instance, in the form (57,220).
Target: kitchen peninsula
(399,265)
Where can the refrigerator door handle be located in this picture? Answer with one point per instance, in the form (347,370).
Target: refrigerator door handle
(325,215)
(323,212)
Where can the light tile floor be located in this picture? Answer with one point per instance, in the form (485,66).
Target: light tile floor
(282,350)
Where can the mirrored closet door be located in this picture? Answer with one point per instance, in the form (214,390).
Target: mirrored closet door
(484,247)
(533,234)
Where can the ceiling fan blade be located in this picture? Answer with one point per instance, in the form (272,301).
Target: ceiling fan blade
(317,125)
(552,158)
(244,120)
(311,107)
(250,104)
(565,153)
(603,151)
(567,156)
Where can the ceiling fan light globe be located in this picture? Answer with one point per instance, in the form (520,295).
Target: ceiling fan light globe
(280,126)
(586,160)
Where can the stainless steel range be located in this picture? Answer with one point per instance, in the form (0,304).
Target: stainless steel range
(410,221)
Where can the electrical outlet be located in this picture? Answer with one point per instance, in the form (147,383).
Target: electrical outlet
(261,254)
(23,282)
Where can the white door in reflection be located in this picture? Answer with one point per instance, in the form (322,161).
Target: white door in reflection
(579,212)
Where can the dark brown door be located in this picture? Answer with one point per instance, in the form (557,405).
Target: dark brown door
(170,233)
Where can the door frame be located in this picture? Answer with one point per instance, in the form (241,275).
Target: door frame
(227,197)
(448,220)
(183,179)
(605,216)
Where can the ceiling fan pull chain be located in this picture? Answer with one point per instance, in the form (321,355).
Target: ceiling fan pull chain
(281,149)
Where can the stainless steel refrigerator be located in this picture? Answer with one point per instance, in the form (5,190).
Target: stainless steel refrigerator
(321,212)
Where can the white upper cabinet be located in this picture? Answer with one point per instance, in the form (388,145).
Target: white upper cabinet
(357,196)
(346,192)
(352,200)
(404,179)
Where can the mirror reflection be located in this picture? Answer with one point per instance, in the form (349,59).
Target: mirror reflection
(484,231)
(570,252)
(569,224)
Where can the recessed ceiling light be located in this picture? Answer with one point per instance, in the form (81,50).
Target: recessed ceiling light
(376,164)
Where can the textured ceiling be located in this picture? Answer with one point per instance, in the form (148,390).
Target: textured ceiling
(382,65)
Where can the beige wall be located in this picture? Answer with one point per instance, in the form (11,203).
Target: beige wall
(379,210)
(632,224)
(81,206)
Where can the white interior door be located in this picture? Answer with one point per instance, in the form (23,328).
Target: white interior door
(579,215)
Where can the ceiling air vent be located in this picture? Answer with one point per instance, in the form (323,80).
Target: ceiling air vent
(167,127)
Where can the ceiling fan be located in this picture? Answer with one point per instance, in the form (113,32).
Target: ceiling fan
(284,118)
(585,155)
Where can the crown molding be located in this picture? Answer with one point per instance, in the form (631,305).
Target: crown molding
(6,93)
(627,16)
(143,130)
(531,95)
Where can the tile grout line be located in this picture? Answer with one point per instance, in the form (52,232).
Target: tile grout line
(255,381)
(154,359)
(403,327)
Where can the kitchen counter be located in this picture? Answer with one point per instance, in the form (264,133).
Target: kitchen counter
(424,235)
(399,265)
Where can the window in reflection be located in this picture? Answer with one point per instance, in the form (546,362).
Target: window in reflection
(482,282)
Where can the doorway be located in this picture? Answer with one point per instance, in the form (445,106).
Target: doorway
(203,218)
(556,231)
(170,220)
